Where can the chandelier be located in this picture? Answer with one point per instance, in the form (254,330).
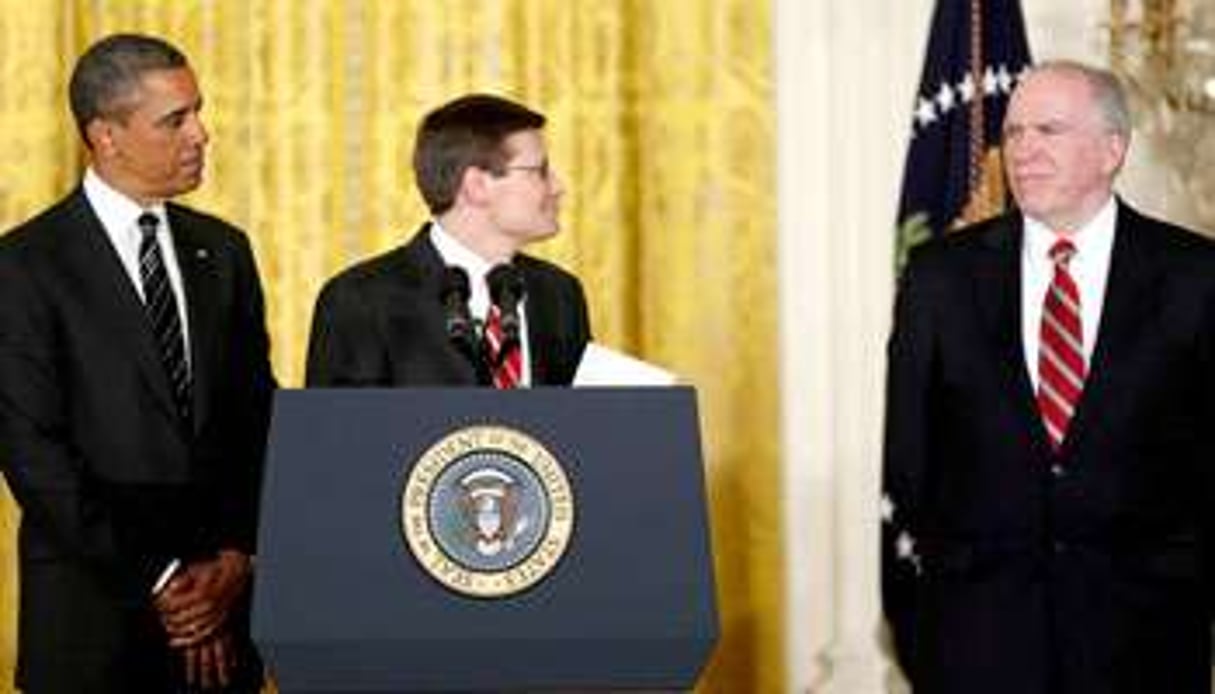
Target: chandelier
(1164,51)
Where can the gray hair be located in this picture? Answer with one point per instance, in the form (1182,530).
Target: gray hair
(1107,91)
(109,72)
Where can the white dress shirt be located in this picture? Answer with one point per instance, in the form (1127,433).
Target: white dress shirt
(1089,267)
(455,253)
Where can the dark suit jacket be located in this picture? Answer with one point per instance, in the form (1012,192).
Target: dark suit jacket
(111,483)
(1086,571)
(381,323)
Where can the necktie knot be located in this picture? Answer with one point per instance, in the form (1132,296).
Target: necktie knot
(1061,253)
(147,224)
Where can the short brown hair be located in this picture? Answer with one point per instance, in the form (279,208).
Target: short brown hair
(110,70)
(466,132)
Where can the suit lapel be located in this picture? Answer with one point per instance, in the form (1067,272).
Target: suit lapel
(538,323)
(97,263)
(1132,293)
(196,260)
(422,275)
(541,322)
(997,291)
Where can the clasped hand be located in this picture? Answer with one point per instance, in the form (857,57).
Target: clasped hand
(194,608)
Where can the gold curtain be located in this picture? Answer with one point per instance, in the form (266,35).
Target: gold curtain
(661,123)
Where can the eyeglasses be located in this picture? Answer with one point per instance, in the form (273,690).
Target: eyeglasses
(542,169)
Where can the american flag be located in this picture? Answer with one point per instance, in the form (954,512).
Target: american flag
(976,51)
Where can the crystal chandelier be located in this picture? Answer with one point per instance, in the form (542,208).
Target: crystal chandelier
(1164,51)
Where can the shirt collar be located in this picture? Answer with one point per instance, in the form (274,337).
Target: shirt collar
(453,252)
(456,253)
(1094,237)
(117,212)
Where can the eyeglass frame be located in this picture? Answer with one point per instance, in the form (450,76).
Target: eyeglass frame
(544,169)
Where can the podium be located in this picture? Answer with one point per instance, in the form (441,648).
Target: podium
(463,539)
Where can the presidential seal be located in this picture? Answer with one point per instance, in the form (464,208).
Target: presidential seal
(487,511)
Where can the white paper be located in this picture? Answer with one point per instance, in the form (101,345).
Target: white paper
(603,366)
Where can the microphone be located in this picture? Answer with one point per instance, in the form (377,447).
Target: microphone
(506,290)
(458,321)
(456,318)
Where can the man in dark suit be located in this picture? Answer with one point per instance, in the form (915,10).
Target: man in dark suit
(134,398)
(1050,448)
(400,320)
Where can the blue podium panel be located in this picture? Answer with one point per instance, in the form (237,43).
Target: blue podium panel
(341,603)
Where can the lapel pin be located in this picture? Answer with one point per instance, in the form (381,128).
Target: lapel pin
(201,253)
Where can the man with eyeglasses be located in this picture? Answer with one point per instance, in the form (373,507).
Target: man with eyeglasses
(432,311)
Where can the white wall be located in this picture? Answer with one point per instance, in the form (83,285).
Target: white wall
(846,75)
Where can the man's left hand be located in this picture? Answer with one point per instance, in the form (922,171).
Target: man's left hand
(196,602)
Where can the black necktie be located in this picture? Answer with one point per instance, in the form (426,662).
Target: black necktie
(161,306)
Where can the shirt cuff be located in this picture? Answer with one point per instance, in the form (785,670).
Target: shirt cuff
(165,576)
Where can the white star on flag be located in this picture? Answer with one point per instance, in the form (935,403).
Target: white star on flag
(967,88)
(945,97)
(925,114)
(904,547)
(989,82)
(1005,79)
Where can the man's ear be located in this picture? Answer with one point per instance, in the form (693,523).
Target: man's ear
(99,136)
(1116,146)
(474,186)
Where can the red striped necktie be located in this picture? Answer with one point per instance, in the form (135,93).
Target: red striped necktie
(506,360)
(1061,366)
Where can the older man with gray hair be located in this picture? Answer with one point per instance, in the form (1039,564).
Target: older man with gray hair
(1049,445)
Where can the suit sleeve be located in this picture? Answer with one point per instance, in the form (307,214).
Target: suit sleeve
(345,348)
(583,322)
(45,471)
(908,418)
(247,398)
(1207,341)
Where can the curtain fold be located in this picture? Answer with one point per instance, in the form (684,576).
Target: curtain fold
(661,125)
